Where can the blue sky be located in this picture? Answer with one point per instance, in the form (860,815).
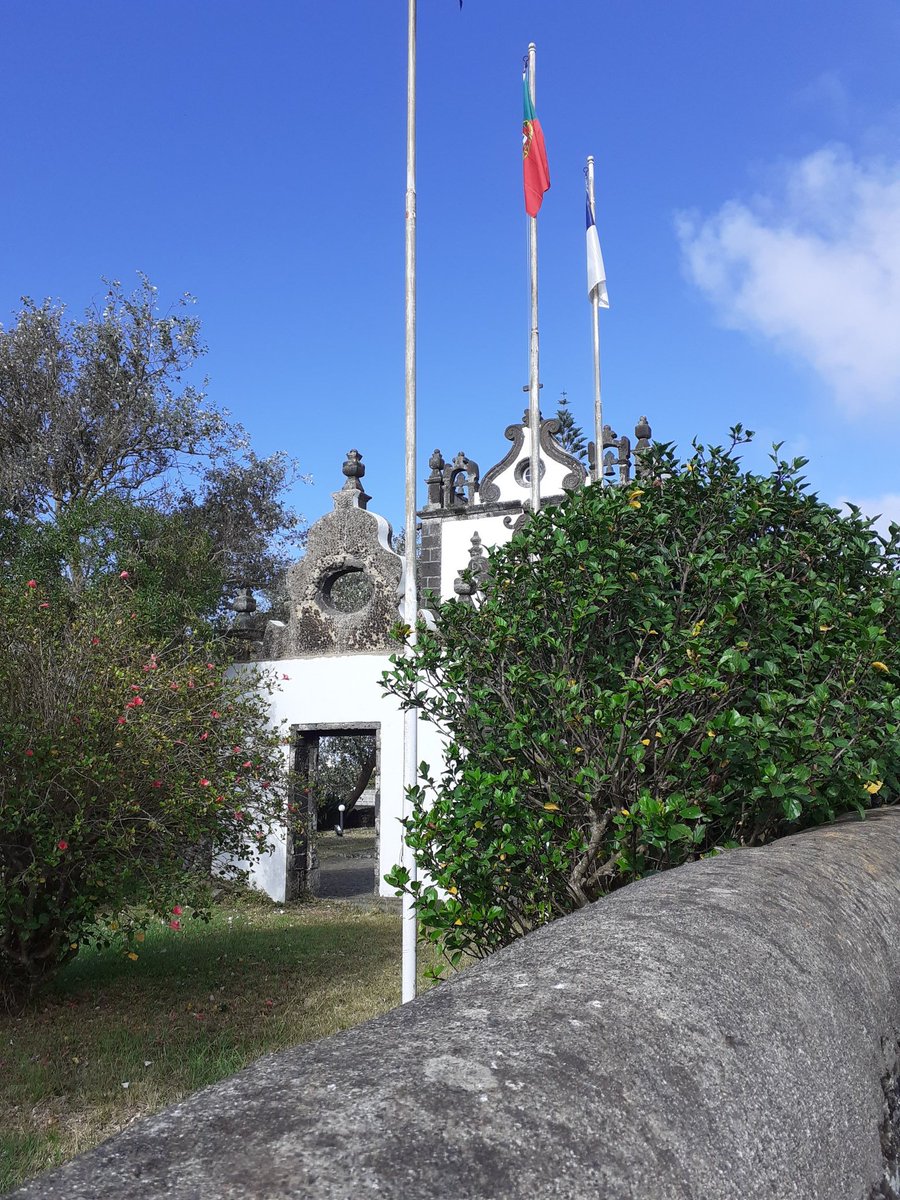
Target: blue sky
(748,170)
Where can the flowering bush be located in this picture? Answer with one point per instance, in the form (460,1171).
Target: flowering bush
(706,659)
(126,764)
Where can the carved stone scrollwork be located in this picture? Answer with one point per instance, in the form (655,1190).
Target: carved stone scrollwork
(490,492)
(551,447)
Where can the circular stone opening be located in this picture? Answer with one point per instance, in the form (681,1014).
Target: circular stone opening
(523,472)
(348,591)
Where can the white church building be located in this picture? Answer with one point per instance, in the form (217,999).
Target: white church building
(331,652)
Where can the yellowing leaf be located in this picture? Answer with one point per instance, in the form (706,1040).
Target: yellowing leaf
(695,632)
(645,741)
(132,956)
(625,812)
(874,786)
(880,666)
(549,808)
(633,575)
(825,628)
(452,891)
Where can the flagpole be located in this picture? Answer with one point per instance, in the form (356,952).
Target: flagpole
(410,602)
(595,337)
(534,416)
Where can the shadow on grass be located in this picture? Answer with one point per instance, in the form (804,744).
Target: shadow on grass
(114,1039)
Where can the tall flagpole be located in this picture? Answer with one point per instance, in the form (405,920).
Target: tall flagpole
(534,417)
(595,337)
(410,602)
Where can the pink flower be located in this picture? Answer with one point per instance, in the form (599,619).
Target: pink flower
(204,783)
(266,784)
(239,816)
(29,754)
(247,765)
(95,641)
(215,715)
(156,783)
(31,583)
(44,604)
(173,687)
(136,687)
(177,910)
(62,845)
(235,749)
(204,735)
(174,924)
(123,574)
(121,720)
(285,677)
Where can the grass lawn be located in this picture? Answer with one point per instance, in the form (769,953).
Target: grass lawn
(113,1040)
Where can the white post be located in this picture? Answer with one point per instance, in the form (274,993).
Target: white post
(534,399)
(595,337)
(410,601)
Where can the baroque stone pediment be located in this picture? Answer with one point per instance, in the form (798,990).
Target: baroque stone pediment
(343,594)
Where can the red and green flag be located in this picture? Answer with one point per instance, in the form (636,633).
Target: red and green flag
(534,155)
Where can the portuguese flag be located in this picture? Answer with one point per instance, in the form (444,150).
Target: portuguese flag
(534,154)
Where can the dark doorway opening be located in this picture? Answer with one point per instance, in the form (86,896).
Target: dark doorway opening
(333,842)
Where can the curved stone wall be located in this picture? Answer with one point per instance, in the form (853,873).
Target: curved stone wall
(725,1030)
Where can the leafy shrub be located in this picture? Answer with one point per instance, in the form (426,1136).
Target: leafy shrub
(705,659)
(126,762)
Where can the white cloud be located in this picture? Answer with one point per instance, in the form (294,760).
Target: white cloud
(886,508)
(815,269)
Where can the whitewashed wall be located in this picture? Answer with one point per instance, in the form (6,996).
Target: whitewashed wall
(343,690)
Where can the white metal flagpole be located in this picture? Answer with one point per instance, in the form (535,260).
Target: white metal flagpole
(595,337)
(410,601)
(534,408)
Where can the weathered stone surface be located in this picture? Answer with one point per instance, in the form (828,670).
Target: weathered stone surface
(726,1030)
(348,542)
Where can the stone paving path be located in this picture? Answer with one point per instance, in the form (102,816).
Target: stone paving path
(347,866)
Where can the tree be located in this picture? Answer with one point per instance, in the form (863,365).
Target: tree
(706,659)
(124,765)
(571,435)
(129,509)
(102,410)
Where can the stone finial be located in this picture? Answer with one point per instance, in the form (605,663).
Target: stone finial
(435,481)
(469,581)
(245,626)
(351,494)
(244,602)
(643,433)
(354,469)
